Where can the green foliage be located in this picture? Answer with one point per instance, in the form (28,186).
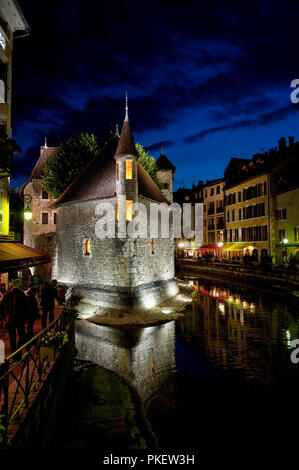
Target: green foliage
(70,312)
(149,164)
(68,161)
(55,338)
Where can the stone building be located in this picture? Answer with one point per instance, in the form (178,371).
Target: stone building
(115,271)
(40,230)
(165,173)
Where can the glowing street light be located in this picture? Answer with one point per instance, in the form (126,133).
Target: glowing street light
(27,211)
(285,241)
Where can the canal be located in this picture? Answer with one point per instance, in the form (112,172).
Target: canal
(221,374)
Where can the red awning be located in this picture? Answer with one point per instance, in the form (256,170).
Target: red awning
(15,256)
(209,247)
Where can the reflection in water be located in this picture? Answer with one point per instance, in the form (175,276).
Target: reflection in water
(223,364)
(144,356)
(242,331)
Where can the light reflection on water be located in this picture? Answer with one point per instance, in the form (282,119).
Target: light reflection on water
(231,344)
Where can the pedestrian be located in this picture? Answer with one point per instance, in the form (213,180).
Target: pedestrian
(26,278)
(48,296)
(32,312)
(13,309)
(36,282)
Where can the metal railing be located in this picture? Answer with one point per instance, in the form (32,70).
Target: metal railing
(20,374)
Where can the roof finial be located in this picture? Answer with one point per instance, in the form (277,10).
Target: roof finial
(127,116)
(46,142)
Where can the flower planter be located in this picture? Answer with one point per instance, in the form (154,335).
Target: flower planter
(47,353)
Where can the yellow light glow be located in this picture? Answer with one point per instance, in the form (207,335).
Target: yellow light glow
(129,169)
(28,214)
(129,212)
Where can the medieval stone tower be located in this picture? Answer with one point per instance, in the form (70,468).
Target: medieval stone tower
(118,271)
(165,173)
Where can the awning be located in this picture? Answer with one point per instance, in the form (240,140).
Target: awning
(237,246)
(209,247)
(15,256)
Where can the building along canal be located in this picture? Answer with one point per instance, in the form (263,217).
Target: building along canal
(221,374)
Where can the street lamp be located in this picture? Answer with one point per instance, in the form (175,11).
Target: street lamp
(285,242)
(27,211)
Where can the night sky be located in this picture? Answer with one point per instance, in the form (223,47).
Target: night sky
(208,80)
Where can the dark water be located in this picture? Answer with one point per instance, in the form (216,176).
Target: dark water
(220,375)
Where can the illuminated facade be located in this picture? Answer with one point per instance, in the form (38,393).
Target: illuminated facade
(213,217)
(247,217)
(115,271)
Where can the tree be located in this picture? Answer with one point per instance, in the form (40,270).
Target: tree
(149,164)
(63,166)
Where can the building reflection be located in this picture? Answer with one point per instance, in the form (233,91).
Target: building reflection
(143,356)
(242,332)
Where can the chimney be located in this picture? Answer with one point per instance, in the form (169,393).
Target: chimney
(291,140)
(282,143)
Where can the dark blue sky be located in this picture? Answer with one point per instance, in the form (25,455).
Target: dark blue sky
(210,80)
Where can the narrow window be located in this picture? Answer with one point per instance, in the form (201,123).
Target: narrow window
(117,170)
(129,215)
(129,169)
(55,218)
(187,198)
(45,218)
(153,246)
(86,247)
(45,195)
(117,213)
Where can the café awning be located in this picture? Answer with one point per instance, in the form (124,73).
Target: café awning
(15,256)
(237,246)
(208,247)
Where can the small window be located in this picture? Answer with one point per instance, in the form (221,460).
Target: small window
(187,198)
(129,169)
(45,218)
(45,195)
(86,247)
(129,214)
(55,218)
(117,170)
(153,246)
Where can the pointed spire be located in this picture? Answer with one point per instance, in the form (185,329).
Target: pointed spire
(116,131)
(45,143)
(162,150)
(127,109)
(126,144)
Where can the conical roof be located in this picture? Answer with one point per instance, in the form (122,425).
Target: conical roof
(126,144)
(164,164)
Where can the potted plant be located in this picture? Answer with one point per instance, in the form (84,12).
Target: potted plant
(75,298)
(51,343)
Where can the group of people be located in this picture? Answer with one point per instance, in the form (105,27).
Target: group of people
(19,309)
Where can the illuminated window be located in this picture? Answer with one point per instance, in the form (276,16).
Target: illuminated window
(129,169)
(153,246)
(186,198)
(86,247)
(129,215)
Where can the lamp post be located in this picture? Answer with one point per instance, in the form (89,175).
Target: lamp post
(285,242)
(27,211)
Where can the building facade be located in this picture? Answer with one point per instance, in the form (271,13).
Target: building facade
(40,230)
(186,247)
(213,217)
(117,271)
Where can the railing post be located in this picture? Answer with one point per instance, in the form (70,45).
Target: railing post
(27,379)
(5,385)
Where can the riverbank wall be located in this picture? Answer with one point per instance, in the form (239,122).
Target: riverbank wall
(264,276)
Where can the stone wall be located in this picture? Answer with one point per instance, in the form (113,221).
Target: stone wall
(119,266)
(165,176)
